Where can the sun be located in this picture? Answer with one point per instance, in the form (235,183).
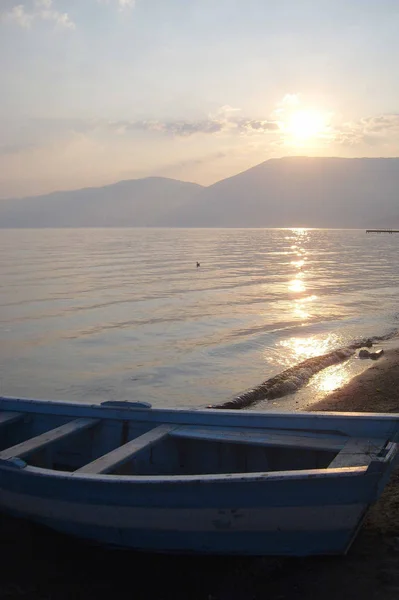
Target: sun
(306,124)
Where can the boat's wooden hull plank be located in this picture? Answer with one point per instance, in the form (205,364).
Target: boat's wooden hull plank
(45,439)
(6,418)
(301,440)
(119,456)
(357,452)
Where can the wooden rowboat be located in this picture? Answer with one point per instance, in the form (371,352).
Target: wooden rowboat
(203,481)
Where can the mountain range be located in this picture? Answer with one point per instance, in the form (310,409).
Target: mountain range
(285,192)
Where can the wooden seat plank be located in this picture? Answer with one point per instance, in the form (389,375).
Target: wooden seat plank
(45,439)
(357,452)
(7,418)
(119,456)
(300,440)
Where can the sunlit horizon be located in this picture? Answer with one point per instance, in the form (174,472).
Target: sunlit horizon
(103,91)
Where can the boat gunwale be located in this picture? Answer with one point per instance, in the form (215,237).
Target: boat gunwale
(131,412)
(257,477)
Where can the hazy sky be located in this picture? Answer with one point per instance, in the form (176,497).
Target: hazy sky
(93,91)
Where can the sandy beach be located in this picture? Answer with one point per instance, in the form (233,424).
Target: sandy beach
(39,564)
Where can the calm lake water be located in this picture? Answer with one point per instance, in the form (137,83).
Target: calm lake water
(94,314)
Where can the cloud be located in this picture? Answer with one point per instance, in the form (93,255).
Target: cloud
(18,15)
(288,103)
(39,130)
(126,3)
(380,130)
(223,122)
(25,15)
(368,130)
(121,4)
(47,12)
(179,128)
(258,126)
(290,100)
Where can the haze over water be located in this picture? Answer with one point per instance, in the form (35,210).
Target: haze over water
(92,315)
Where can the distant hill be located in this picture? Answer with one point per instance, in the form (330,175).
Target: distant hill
(300,191)
(286,192)
(132,203)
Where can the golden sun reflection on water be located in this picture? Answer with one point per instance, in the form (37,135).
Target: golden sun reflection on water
(295,350)
(299,230)
(328,379)
(298,263)
(296,285)
(299,305)
(300,312)
(331,378)
(307,299)
(303,348)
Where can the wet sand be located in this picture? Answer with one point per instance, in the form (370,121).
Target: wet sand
(374,390)
(39,564)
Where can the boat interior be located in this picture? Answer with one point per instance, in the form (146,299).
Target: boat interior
(94,446)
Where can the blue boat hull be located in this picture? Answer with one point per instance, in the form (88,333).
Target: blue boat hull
(269,517)
(298,511)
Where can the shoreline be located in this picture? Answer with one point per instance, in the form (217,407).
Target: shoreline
(40,564)
(376,389)
(293,384)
